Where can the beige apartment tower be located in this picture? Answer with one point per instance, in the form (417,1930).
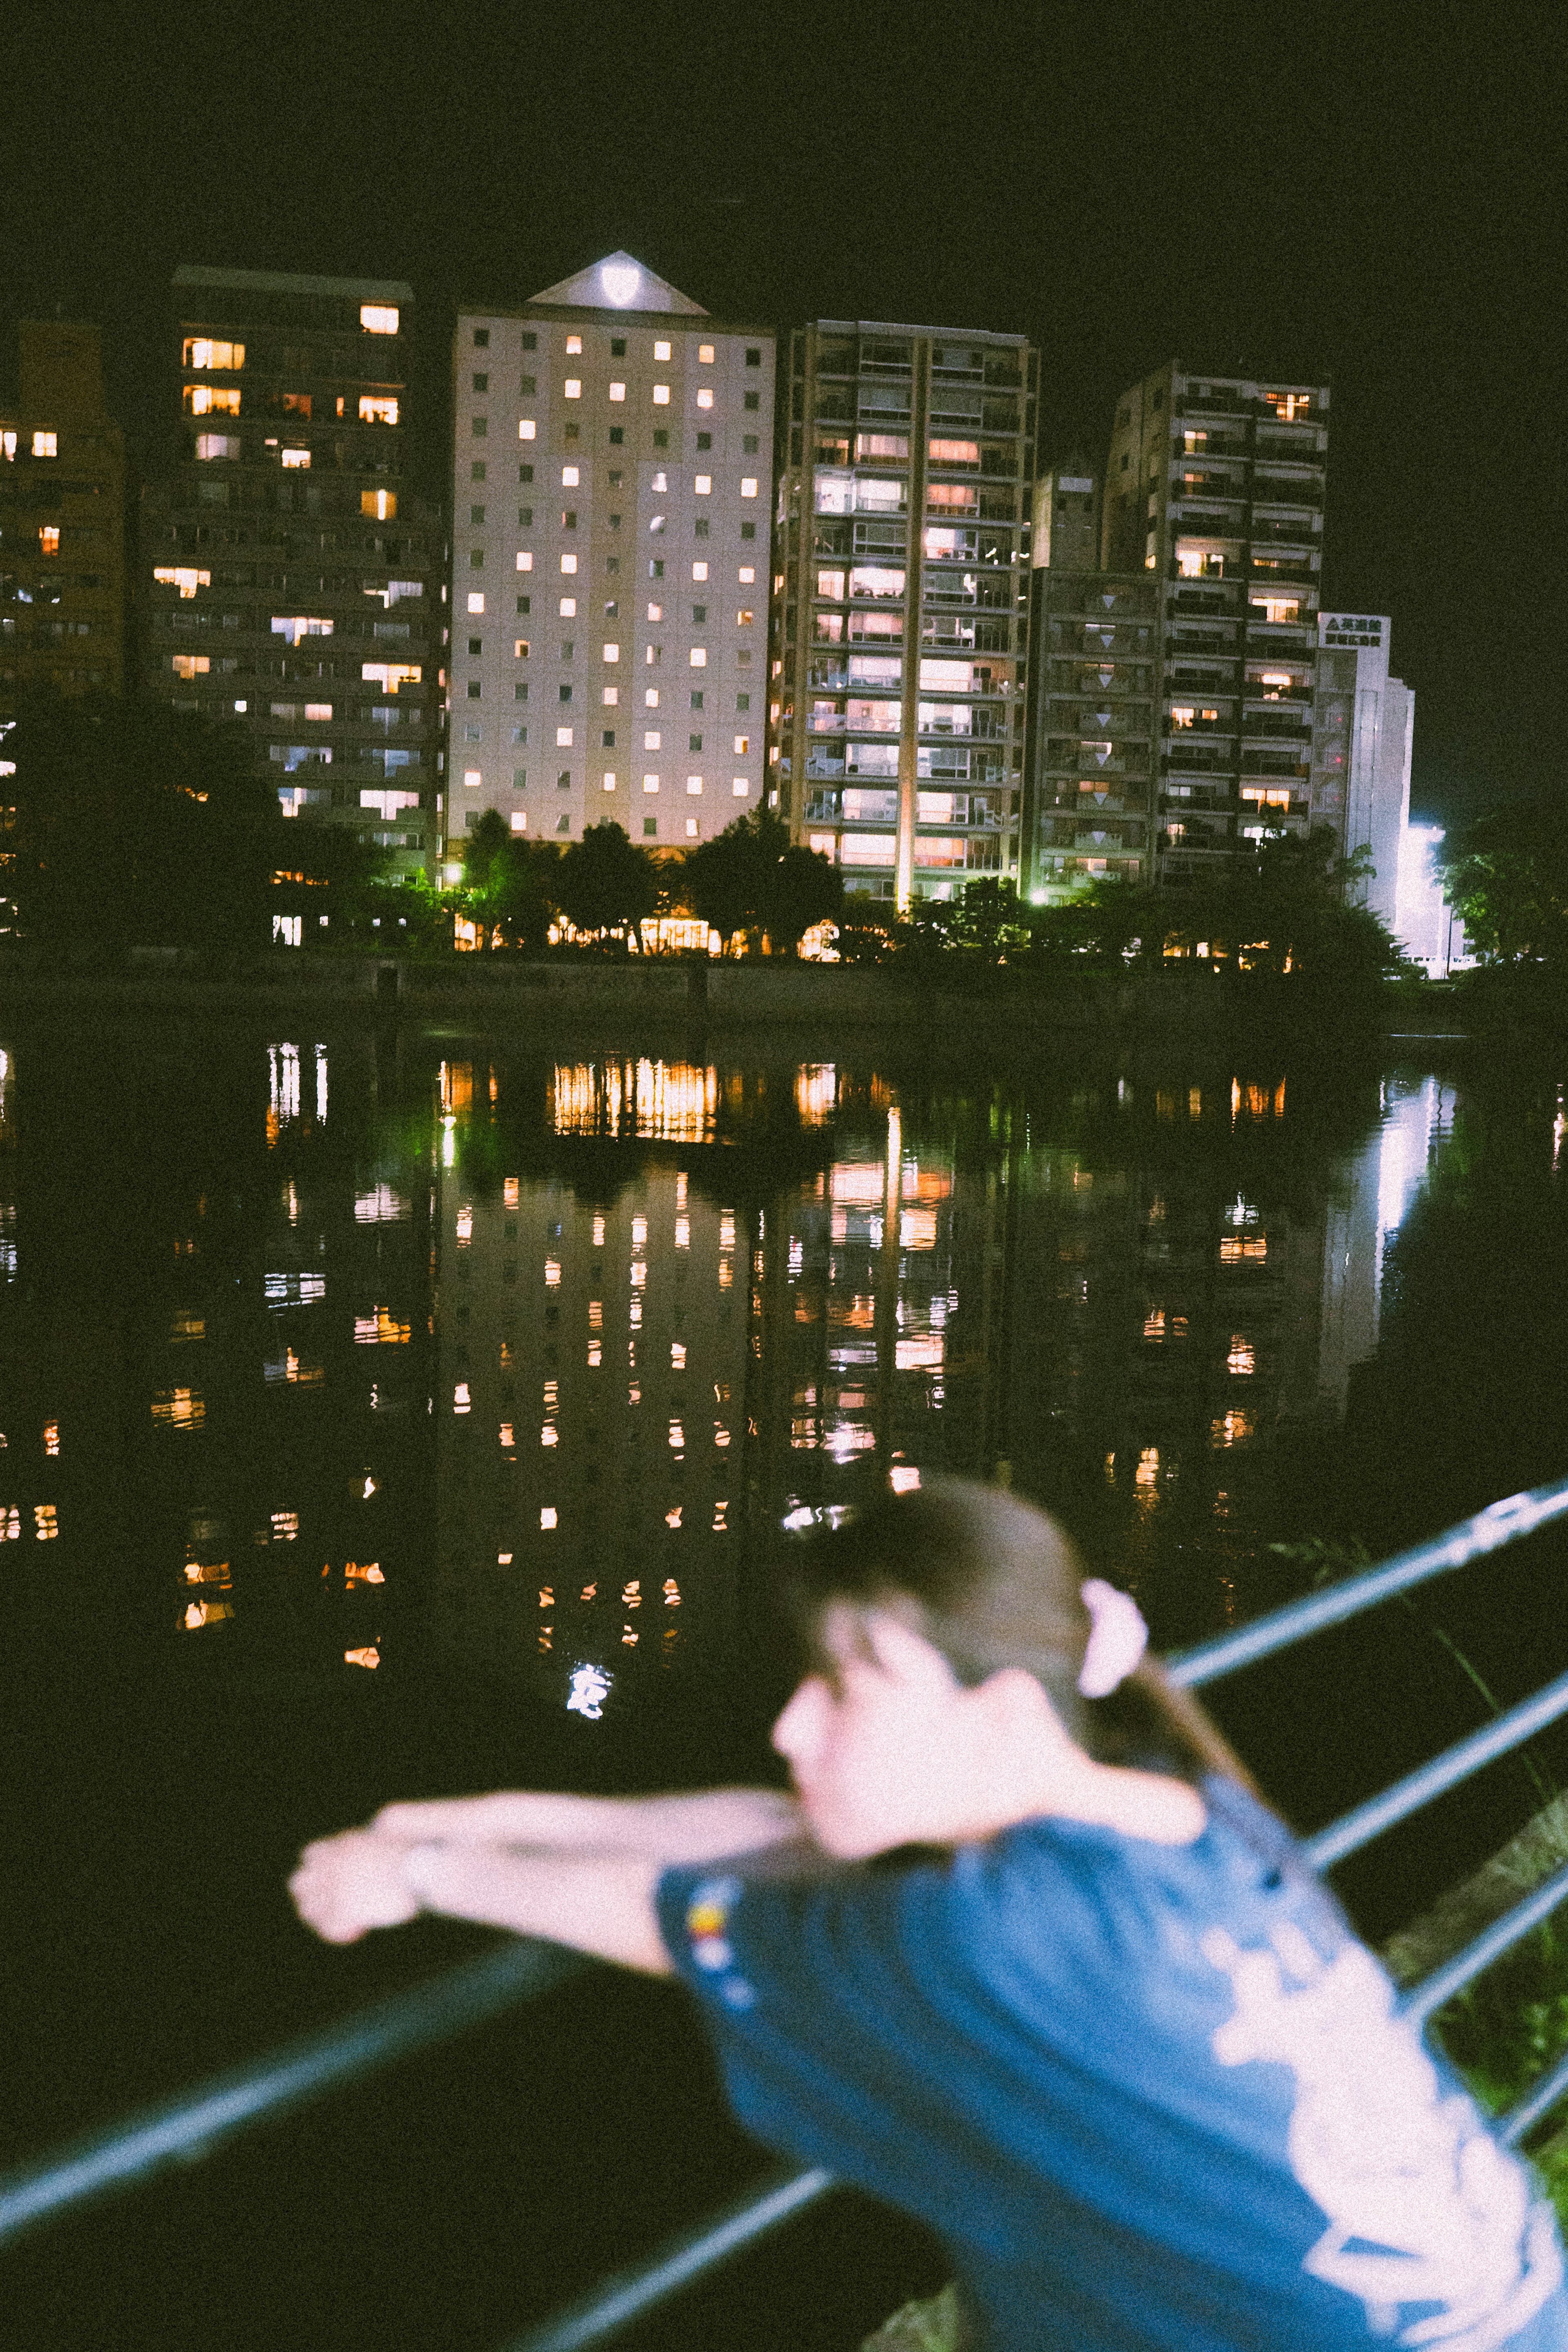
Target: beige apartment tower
(901,603)
(1215,491)
(610,478)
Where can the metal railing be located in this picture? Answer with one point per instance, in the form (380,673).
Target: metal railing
(188,2128)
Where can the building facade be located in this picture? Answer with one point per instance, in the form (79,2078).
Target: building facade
(610,567)
(1089,811)
(898,659)
(1215,487)
(287,579)
(62,521)
(1366,722)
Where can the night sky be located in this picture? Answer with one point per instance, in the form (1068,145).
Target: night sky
(1371,193)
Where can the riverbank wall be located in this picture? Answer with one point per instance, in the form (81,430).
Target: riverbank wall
(491,993)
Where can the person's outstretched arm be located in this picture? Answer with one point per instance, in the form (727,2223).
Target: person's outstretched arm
(578,1870)
(701,1826)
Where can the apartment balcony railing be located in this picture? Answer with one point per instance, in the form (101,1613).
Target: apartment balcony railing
(190,2126)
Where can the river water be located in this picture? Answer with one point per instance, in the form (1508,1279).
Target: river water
(403,1414)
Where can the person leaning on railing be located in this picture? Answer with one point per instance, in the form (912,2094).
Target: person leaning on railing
(1026,1955)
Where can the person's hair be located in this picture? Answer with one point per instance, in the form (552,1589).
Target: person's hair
(990,1580)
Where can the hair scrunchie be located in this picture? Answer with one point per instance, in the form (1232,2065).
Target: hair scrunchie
(1117,1637)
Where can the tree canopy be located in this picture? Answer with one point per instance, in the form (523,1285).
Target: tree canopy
(606,882)
(752,878)
(131,824)
(1507,876)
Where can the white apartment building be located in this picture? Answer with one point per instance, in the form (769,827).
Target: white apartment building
(1361,753)
(612,471)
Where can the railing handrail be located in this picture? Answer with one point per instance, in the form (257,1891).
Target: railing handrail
(1500,1523)
(187,2126)
(184,2128)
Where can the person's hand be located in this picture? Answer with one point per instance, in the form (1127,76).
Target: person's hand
(345,1884)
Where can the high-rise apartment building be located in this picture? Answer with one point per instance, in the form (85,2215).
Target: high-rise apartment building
(901,589)
(610,477)
(1215,487)
(288,578)
(62,521)
(1361,751)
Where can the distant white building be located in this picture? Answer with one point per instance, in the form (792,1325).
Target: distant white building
(1424,922)
(1366,724)
(612,472)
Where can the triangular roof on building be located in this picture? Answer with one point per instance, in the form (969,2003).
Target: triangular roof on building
(619,282)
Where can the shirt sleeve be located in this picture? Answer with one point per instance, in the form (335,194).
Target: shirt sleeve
(848,2012)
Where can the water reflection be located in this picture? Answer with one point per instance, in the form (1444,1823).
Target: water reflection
(551,1345)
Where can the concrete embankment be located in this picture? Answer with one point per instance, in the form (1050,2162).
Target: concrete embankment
(501,993)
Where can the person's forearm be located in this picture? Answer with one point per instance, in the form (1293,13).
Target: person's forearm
(701,1827)
(601,1904)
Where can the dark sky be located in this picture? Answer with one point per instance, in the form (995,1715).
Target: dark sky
(1372,193)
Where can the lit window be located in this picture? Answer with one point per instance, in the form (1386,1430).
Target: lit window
(1288,406)
(473,778)
(661,351)
(212,400)
(655,612)
(46,445)
(476,603)
(570,477)
(8,444)
(612,653)
(377,408)
(298,459)
(748,575)
(190,664)
(740,787)
(569,563)
(210,445)
(1182,714)
(651,697)
(617,392)
(202,352)
(748,485)
(563,736)
(650,783)
(380,504)
(527,429)
(48,538)
(660,395)
(705,397)
(376,317)
(694,784)
(699,572)
(743,744)
(610,779)
(573,387)
(699,657)
(519,820)
(521,649)
(185,578)
(651,740)
(304,624)
(610,696)
(389,676)
(573,345)
(703,485)
(744,616)
(525,559)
